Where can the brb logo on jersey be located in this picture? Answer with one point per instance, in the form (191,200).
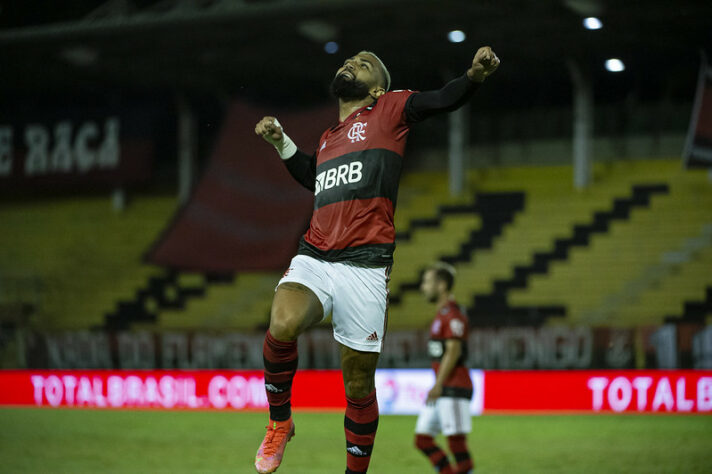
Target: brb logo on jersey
(357,132)
(342,174)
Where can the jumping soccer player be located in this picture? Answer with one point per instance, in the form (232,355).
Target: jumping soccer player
(447,407)
(344,259)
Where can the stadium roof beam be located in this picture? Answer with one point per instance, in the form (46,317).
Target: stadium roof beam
(119,16)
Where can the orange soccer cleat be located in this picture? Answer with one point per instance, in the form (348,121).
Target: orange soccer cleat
(269,456)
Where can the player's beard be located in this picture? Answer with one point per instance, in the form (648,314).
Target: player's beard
(348,89)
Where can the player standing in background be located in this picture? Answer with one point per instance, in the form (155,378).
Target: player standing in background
(447,408)
(344,259)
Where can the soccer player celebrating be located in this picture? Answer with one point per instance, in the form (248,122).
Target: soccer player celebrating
(447,407)
(344,259)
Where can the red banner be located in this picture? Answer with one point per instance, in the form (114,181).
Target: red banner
(648,391)
(238,390)
(399,391)
(247,212)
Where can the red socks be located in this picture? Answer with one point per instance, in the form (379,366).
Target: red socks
(458,448)
(360,425)
(437,456)
(280,360)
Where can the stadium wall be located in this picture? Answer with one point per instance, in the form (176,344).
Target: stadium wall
(543,136)
(522,348)
(556,151)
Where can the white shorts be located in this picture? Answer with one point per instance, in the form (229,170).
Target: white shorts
(448,416)
(356,296)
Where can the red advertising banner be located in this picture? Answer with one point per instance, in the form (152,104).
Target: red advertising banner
(166,389)
(614,391)
(399,391)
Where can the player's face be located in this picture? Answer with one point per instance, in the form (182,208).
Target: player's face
(429,286)
(359,76)
(362,67)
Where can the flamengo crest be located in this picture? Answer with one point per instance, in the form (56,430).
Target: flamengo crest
(357,132)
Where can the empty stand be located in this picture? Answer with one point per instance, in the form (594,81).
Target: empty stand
(495,307)
(575,255)
(241,304)
(618,278)
(71,259)
(634,249)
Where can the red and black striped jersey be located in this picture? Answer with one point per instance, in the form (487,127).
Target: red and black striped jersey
(358,167)
(450,323)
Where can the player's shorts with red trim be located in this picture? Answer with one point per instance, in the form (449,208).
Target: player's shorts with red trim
(355,295)
(448,415)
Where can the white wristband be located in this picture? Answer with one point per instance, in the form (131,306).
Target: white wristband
(286,147)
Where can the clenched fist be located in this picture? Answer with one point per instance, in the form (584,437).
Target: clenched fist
(484,63)
(269,129)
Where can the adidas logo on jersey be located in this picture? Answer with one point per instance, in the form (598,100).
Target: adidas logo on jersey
(342,174)
(373,337)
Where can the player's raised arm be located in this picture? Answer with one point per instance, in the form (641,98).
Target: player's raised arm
(301,166)
(456,92)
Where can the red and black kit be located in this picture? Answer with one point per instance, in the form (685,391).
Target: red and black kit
(358,166)
(450,323)
(355,173)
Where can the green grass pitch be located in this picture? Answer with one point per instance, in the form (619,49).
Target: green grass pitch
(92,441)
